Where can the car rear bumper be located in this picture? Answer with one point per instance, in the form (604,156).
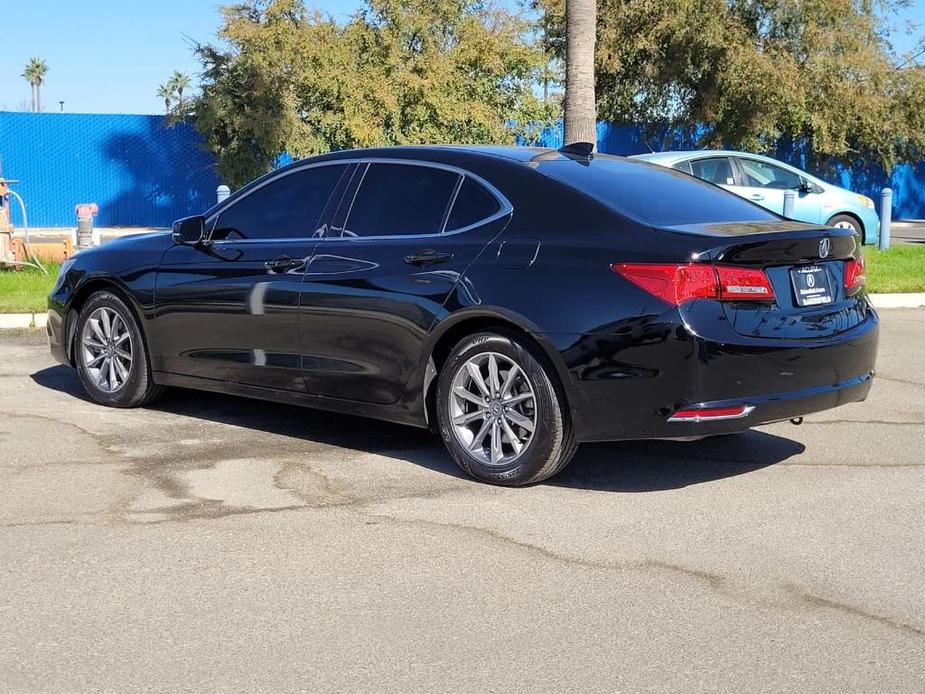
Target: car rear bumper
(620,391)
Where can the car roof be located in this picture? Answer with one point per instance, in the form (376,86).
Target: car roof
(517,153)
(681,155)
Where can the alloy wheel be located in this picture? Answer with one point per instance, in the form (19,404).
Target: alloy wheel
(493,408)
(107,349)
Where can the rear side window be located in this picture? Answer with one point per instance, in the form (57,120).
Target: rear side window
(717,170)
(684,166)
(401,200)
(473,204)
(654,195)
(287,207)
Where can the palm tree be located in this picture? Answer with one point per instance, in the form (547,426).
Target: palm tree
(180,81)
(580,109)
(35,75)
(165,92)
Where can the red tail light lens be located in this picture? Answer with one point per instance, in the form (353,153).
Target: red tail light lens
(742,284)
(676,284)
(855,272)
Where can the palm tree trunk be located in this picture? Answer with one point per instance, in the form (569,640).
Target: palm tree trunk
(38,98)
(32,85)
(580,108)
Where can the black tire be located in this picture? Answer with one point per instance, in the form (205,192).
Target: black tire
(138,387)
(552,444)
(847,219)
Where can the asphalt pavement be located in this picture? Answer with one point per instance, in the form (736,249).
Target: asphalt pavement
(216,544)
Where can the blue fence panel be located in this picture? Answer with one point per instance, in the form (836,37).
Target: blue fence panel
(139,172)
(143,173)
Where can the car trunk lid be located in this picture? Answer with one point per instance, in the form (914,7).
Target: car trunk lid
(806,267)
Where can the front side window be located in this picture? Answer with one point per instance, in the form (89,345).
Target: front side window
(287,207)
(401,200)
(759,174)
(716,170)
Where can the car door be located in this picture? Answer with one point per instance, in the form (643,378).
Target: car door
(403,236)
(228,309)
(766,184)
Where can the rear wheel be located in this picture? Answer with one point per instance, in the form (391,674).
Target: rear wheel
(844,221)
(110,354)
(501,415)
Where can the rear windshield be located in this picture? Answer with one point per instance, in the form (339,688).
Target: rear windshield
(654,195)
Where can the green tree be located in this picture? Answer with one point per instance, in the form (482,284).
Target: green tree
(398,72)
(34,73)
(179,82)
(166,92)
(746,73)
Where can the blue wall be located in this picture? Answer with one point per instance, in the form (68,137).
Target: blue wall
(138,171)
(142,173)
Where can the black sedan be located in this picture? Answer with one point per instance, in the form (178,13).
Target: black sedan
(517,300)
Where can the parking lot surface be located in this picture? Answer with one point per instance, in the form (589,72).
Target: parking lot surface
(219,544)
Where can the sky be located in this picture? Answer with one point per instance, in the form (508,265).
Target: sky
(109,56)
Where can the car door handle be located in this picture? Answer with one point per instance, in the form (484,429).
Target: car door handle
(282,263)
(757,196)
(427,256)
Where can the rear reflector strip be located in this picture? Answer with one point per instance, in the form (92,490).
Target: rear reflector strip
(711,414)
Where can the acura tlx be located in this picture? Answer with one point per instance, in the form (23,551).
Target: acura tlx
(516,300)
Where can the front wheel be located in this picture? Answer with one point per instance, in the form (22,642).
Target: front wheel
(110,354)
(501,415)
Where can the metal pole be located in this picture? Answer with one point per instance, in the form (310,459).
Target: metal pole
(222,192)
(886,218)
(789,197)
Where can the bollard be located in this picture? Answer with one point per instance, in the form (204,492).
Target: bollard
(85,235)
(789,197)
(222,192)
(886,218)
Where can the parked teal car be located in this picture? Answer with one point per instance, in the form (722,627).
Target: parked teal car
(764,180)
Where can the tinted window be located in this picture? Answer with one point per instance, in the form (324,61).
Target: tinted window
(653,194)
(760,175)
(717,170)
(684,166)
(473,204)
(401,199)
(287,207)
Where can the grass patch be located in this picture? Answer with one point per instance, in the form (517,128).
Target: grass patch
(26,290)
(900,269)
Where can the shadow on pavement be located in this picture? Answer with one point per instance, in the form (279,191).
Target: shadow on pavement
(629,466)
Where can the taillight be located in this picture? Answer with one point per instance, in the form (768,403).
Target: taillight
(854,275)
(741,284)
(676,284)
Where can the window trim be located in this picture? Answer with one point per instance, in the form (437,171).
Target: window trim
(505,207)
(212,221)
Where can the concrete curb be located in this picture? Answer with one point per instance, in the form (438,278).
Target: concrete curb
(23,320)
(38,320)
(911,300)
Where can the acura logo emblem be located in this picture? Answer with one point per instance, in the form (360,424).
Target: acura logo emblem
(825,246)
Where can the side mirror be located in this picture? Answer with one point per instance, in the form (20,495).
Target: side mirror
(189,231)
